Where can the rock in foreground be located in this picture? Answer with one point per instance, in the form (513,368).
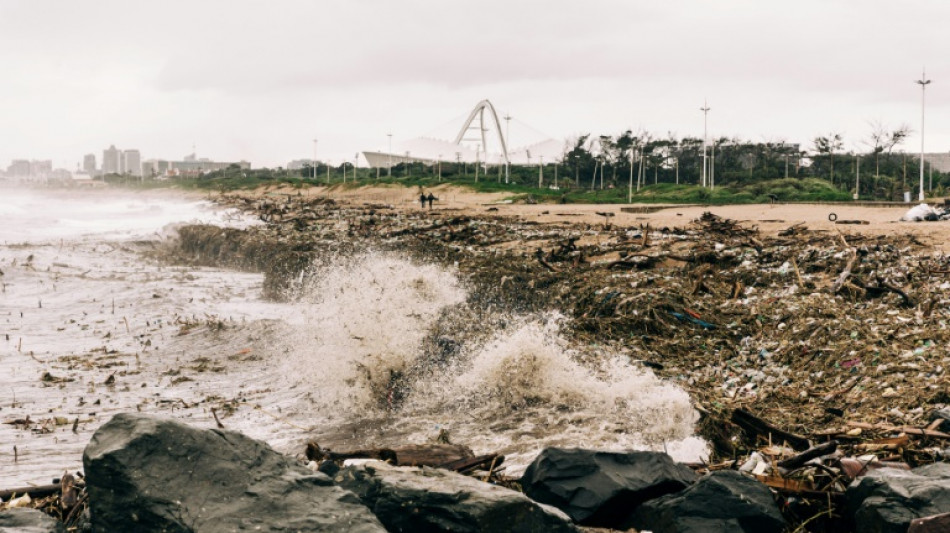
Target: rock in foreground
(145,473)
(888,500)
(722,501)
(425,499)
(599,488)
(28,521)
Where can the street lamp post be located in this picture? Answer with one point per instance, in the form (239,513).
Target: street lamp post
(630,181)
(507,146)
(390,173)
(857,175)
(314,165)
(705,110)
(923,82)
(541,172)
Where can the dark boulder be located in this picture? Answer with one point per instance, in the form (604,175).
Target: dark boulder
(413,499)
(888,500)
(601,489)
(932,524)
(145,473)
(722,501)
(28,521)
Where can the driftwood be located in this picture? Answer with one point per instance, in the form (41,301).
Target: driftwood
(412,455)
(38,491)
(756,426)
(807,455)
(845,273)
(473,463)
(540,255)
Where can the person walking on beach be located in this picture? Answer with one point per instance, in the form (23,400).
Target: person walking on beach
(431,198)
(422,199)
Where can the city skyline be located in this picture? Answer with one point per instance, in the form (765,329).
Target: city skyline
(246,82)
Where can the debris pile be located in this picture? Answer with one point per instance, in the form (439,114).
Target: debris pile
(815,357)
(809,329)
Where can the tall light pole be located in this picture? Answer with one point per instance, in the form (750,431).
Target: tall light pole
(857,175)
(630,181)
(705,110)
(541,172)
(507,146)
(923,82)
(314,165)
(390,173)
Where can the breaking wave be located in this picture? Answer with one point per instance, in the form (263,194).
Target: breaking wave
(395,342)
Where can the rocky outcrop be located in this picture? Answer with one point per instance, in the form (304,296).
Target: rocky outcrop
(888,500)
(28,521)
(424,499)
(721,501)
(602,489)
(145,473)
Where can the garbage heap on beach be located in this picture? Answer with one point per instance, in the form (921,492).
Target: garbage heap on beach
(787,342)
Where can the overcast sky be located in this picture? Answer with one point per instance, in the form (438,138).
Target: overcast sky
(260,80)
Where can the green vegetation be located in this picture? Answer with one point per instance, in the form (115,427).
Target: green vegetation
(606,169)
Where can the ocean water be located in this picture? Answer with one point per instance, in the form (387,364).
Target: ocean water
(374,349)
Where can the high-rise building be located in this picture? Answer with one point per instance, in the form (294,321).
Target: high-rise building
(110,160)
(155,167)
(89,164)
(41,168)
(132,162)
(19,168)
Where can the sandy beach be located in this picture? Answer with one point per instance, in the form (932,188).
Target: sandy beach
(769,219)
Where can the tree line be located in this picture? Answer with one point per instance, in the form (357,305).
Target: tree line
(881,169)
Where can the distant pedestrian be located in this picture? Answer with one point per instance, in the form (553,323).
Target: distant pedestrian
(431,198)
(422,200)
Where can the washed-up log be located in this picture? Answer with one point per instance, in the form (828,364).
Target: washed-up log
(853,222)
(412,455)
(889,444)
(791,230)
(910,430)
(817,451)
(38,491)
(785,484)
(431,454)
(472,463)
(758,427)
